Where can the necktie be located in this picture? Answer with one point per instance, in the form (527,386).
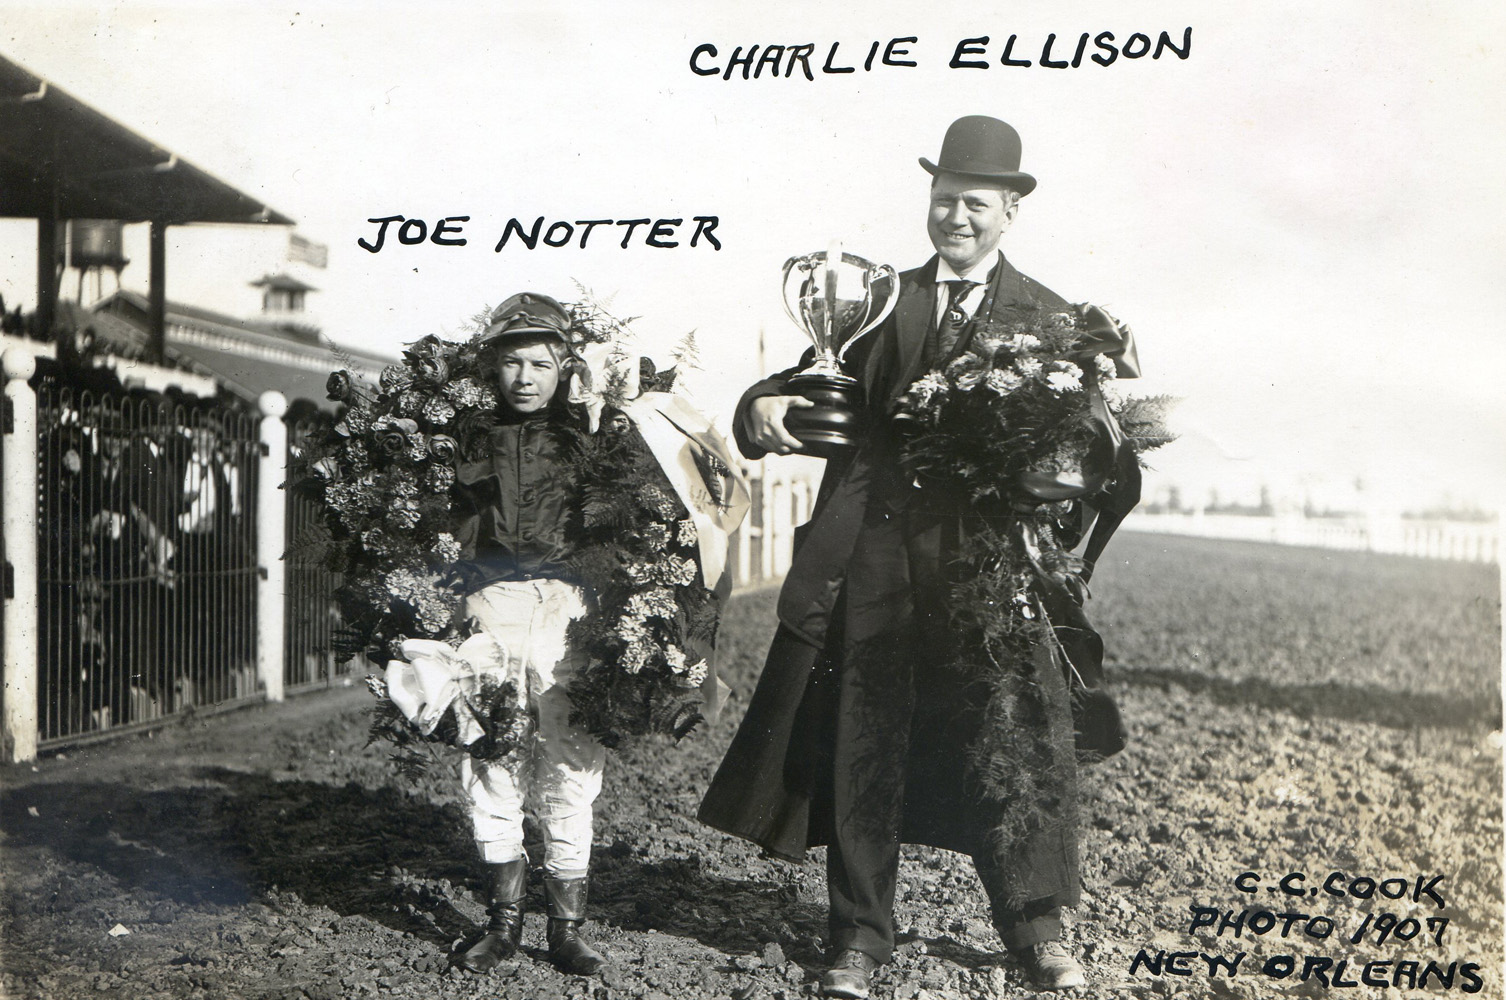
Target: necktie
(953,319)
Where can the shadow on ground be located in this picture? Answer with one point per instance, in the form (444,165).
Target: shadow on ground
(225,838)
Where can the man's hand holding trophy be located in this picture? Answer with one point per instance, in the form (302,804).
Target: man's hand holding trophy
(835,298)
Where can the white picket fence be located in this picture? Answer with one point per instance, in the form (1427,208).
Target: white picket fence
(1428,539)
(784,494)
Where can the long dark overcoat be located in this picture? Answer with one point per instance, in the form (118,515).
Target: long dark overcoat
(851,579)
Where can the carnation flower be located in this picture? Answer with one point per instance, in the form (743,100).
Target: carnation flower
(356,454)
(468,394)
(439,478)
(926,388)
(632,629)
(635,657)
(1002,381)
(446,547)
(969,380)
(357,419)
(675,571)
(696,673)
(659,502)
(403,515)
(1022,342)
(657,602)
(1028,367)
(411,403)
(674,656)
(657,536)
(431,604)
(438,410)
(1105,365)
(1065,381)
(686,532)
(396,378)
(375,540)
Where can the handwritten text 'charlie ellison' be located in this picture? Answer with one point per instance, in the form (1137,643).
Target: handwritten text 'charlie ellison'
(662,234)
(980,52)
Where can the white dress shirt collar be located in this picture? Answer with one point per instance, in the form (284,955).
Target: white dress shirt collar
(973,297)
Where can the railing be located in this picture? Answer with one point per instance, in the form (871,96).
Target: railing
(146,557)
(312,616)
(1465,541)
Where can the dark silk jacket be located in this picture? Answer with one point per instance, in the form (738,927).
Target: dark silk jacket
(511,502)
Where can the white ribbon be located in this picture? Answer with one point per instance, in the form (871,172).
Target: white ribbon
(682,440)
(432,677)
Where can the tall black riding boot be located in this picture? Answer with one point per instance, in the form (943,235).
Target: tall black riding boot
(569,950)
(504,931)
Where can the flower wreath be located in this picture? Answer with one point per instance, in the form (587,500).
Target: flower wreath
(383,472)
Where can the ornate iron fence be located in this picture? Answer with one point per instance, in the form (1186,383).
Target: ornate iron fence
(312,615)
(147,558)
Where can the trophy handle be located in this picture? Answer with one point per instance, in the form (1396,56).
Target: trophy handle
(870,320)
(784,282)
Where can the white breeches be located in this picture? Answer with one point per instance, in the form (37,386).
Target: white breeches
(556,776)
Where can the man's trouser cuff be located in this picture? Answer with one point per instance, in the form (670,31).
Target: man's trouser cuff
(1019,932)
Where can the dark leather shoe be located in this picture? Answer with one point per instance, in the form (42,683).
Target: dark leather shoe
(849,974)
(504,931)
(1051,967)
(569,950)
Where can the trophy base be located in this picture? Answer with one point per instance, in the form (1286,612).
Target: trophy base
(834,424)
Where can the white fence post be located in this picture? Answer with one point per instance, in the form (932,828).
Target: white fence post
(271,518)
(18,513)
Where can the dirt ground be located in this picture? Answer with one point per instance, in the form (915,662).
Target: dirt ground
(1292,711)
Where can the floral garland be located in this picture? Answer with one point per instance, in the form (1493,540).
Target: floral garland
(1021,434)
(650,632)
(383,473)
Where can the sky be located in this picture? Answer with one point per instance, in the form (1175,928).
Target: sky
(1302,221)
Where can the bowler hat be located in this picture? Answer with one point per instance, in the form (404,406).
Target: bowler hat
(527,313)
(985,148)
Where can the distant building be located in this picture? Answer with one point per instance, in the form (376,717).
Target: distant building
(283,303)
(247,356)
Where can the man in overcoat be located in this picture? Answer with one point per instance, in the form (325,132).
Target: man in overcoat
(857,735)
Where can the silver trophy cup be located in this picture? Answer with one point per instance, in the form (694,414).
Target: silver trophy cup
(835,298)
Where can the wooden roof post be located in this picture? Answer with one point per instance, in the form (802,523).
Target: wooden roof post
(156,317)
